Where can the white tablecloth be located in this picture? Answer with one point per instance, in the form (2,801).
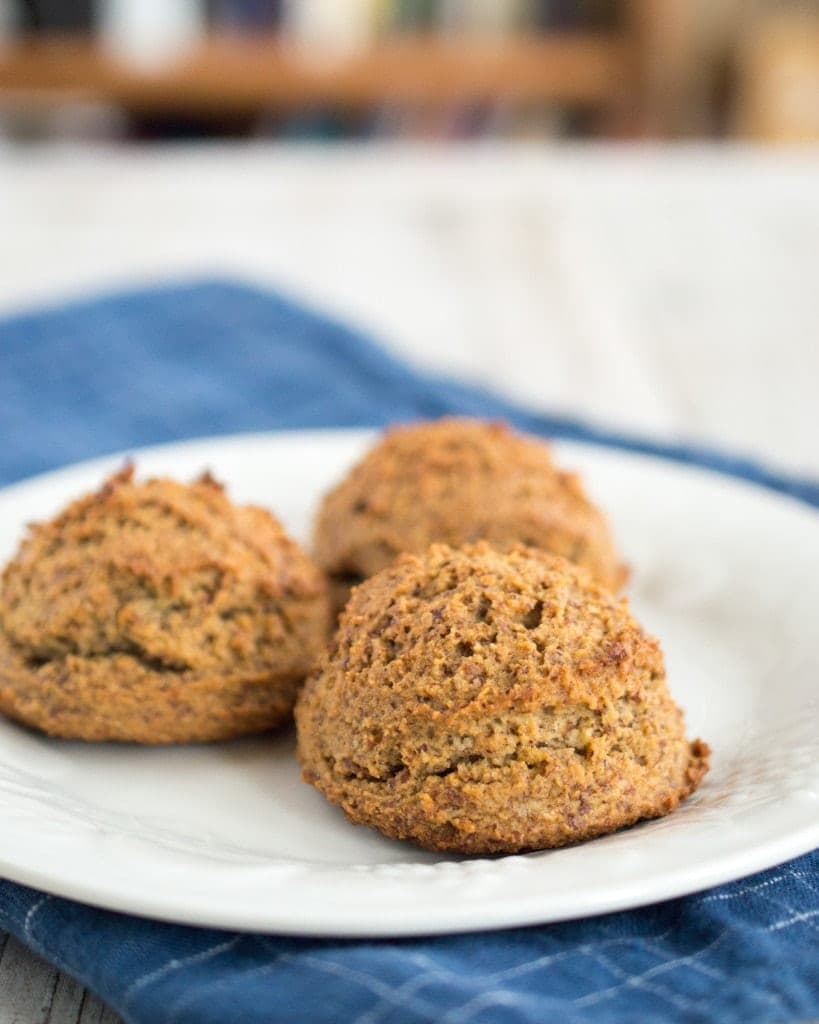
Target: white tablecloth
(670,292)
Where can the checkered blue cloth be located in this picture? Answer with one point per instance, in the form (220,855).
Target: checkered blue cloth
(212,357)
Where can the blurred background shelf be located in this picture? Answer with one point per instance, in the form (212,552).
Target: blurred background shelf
(416,69)
(438,69)
(231,75)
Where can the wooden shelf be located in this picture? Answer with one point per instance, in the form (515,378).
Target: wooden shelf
(232,76)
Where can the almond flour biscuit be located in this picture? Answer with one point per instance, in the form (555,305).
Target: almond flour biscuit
(481,702)
(457,481)
(158,613)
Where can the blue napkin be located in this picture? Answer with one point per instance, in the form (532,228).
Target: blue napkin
(214,357)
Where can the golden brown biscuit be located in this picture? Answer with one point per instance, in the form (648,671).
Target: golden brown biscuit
(457,481)
(484,702)
(159,613)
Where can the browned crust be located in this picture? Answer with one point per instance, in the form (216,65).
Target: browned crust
(478,702)
(157,612)
(457,481)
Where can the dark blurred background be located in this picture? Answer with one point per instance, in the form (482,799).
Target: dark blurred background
(409,69)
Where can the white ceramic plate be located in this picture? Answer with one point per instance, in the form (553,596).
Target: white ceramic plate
(227,835)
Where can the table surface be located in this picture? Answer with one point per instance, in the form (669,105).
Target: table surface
(673,293)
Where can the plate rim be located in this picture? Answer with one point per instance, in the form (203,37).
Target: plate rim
(494,916)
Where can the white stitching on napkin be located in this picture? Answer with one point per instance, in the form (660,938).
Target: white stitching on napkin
(638,980)
(435,972)
(174,965)
(366,980)
(29,920)
(495,997)
(788,921)
(752,888)
(794,915)
(175,1009)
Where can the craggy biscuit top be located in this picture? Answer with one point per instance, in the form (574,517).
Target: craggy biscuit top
(163,583)
(457,481)
(158,569)
(478,701)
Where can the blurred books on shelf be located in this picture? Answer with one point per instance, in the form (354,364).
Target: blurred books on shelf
(151,32)
(69,16)
(778,93)
(246,16)
(8,21)
(437,69)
